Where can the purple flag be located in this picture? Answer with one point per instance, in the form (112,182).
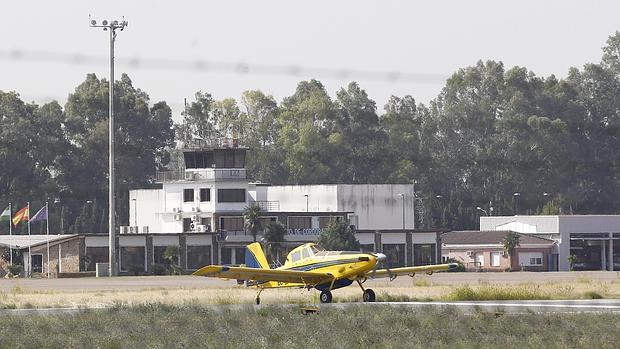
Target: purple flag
(40,216)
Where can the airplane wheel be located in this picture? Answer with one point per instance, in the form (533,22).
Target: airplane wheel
(257,301)
(326,297)
(369,295)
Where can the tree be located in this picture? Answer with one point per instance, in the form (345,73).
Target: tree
(252,219)
(511,242)
(274,236)
(338,236)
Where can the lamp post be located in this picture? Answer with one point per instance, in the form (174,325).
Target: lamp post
(403,199)
(135,212)
(482,209)
(306,195)
(516,200)
(111,26)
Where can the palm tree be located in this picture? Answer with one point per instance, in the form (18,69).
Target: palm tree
(511,241)
(252,215)
(274,236)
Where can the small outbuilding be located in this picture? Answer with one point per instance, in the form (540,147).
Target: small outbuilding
(484,251)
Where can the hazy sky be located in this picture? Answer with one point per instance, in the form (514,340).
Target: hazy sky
(438,37)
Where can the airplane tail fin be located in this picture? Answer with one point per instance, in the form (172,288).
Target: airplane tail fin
(254,257)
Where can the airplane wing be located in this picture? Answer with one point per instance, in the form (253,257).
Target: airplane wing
(258,274)
(392,273)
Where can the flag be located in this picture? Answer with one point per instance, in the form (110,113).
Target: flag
(6,215)
(21,215)
(40,216)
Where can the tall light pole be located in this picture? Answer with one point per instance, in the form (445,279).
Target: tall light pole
(111,26)
(135,212)
(516,198)
(403,197)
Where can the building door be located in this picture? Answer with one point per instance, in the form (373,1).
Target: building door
(37,263)
(187,224)
(479,259)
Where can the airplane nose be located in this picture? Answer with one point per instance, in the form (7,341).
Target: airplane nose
(381,257)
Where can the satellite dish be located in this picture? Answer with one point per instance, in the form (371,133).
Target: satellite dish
(105,22)
(115,23)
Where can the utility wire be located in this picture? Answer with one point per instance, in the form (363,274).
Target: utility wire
(223,67)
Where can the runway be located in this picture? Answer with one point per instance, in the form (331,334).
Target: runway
(504,307)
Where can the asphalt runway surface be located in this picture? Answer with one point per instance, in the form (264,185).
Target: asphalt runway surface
(127,283)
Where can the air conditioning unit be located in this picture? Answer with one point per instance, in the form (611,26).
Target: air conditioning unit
(189,176)
(145,229)
(195,218)
(201,228)
(133,229)
(195,209)
(502,253)
(124,229)
(177,217)
(192,226)
(176,210)
(469,253)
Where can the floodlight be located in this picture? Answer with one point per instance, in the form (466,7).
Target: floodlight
(93,22)
(104,22)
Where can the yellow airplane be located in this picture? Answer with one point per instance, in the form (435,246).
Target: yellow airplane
(310,266)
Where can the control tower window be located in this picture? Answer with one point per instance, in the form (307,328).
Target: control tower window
(188,195)
(231,195)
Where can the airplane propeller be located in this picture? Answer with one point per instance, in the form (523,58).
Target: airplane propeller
(381,258)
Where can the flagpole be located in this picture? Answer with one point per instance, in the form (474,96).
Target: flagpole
(29,250)
(11,233)
(47,213)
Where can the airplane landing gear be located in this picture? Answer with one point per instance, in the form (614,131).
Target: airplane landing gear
(326,296)
(368,295)
(258,296)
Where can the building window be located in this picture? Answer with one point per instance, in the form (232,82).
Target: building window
(299,222)
(423,254)
(205,194)
(395,254)
(198,257)
(132,258)
(37,263)
(531,258)
(206,221)
(240,255)
(231,195)
(226,257)
(496,258)
(159,256)
(95,255)
(324,221)
(188,195)
(231,223)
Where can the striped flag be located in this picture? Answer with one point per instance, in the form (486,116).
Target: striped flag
(40,216)
(6,215)
(21,215)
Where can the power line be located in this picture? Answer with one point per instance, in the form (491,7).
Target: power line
(223,67)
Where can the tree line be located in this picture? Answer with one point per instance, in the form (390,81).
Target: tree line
(493,137)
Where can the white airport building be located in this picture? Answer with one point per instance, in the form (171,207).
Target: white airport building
(590,239)
(200,208)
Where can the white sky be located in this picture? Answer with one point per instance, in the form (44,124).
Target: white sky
(435,37)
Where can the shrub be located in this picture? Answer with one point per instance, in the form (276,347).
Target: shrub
(592,295)
(14,269)
(136,269)
(157,269)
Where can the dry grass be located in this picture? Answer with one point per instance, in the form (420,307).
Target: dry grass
(416,289)
(191,326)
